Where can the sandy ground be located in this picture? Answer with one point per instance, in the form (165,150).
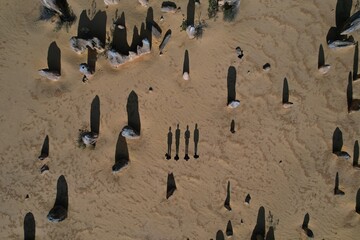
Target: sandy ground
(131,204)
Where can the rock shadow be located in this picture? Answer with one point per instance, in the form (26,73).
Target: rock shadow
(321,57)
(337,140)
(190,13)
(60,210)
(186,64)
(231,84)
(227,199)
(54,58)
(132,108)
(95,115)
(29,227)
(171,185)
(259,230)
(119,42)
(121,154)
(44,153)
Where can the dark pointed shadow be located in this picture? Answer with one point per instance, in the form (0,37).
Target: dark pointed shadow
(119,42)
(337,140)
(121,154)
(149,21)
(95,115)
(229,229)
(91,59)
(196,141)
(132,108)
(29,227)
(190,13)
(96,27)
(247,199)
(357,206)
(136,40)
(44,149)
(231,83)
(356,62)
(171,186)
(337,191)
(177,142)
(285,95)
(342,12)
(143,33)
(169,143)
(305,224)
(59,211)
(54,58)
(321,58)
(227,199)
(84,26)
(165,40)
(333,34)
(356,154)
(232,126)
(270,234)
(220,235)
(259,230)
(186,64)
(349,92)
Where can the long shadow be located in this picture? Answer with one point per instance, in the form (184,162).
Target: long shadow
(356,155)
(186,64)
(357,206)
(29,227)
(121,154)
(96,27)
(337,140)
(54,58)
(220,235)
(91,59)
(356,62)
(187,141)
(149,22)
(232,126)
(305,226)
(227,199)
(165,40)
(270,234)
(177,142)
(342,12)
(349,92)
(136,40)
(285,94)
(95,115)
(321,58)
(229,229)
(231,83)
(132,108)
(196,141)
(337,191)
(84,26)
(119,42)
(190,13)
(170,186)
(169,143)
(59,211)
(259,230)
(44,153)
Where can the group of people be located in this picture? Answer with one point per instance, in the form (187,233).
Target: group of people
(177,143)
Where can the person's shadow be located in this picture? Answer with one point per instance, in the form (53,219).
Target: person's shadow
(171,185)
(196,141)
(259,230)
(44,153)
(177,142)
(121,154)
(95,115)
(187,141)
(29,227)
(169,143)
(59,211)
(227,199)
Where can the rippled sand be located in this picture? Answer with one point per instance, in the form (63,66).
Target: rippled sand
(131,204)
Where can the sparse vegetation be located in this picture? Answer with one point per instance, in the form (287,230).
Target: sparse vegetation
(231,9)
(63,16)
(271,222)
(213,8)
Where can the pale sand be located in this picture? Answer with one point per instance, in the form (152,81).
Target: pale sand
(132,204)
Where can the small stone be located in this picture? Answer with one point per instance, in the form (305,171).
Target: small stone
(186,76)
(239,52)
(234,104)
(129,132)
(44,168)
(161,18)
(287,105)
(150,89)
(324,69)
(247,199)
(266,67)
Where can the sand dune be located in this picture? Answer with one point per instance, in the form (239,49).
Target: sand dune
(281,157)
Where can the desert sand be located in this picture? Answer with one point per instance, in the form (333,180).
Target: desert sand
(281,157)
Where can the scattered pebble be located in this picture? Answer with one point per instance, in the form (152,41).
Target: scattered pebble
(150,89)
(44,168)
(239,52)
(266,67)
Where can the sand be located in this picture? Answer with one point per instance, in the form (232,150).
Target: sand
(132,204)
